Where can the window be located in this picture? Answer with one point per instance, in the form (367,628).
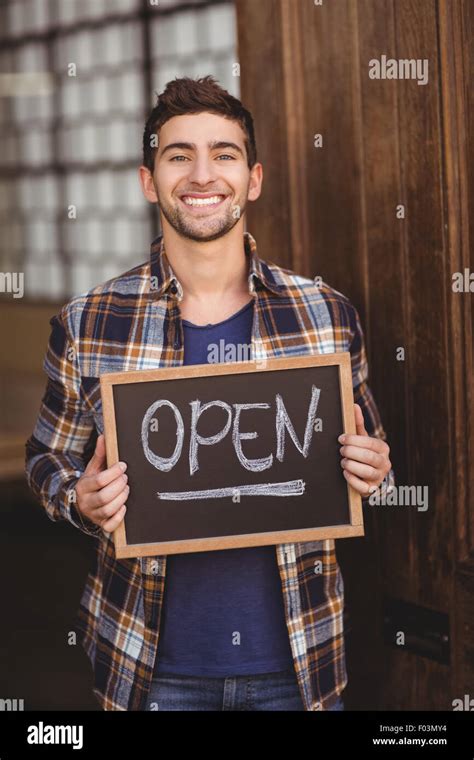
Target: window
(77,80)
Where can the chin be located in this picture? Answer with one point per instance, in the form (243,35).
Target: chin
(205,235)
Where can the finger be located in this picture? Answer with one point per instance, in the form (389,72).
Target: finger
(99,514)
(366,442)
(366,456)
(114,521)
(365,489)
(359,420)
(105,495)
(97,461)
(363,471)
(93,483)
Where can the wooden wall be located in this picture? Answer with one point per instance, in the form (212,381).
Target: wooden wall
(332,211)
(24,334)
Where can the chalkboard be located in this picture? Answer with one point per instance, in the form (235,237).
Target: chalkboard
(232,454)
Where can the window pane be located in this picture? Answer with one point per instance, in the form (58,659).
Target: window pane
(80,143)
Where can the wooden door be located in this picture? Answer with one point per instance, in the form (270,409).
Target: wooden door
(370,183)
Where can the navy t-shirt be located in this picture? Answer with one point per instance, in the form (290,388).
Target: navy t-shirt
(223,611)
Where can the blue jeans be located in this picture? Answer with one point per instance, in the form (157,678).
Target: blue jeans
(269,691)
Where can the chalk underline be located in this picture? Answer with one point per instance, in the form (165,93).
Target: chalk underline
(285,488)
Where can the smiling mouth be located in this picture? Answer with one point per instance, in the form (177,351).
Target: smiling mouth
(200,202)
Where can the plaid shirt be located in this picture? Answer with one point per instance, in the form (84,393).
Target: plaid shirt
(132,322)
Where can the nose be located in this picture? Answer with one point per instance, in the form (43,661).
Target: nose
(203,171)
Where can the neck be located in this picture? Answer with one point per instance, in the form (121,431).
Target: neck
(208,270)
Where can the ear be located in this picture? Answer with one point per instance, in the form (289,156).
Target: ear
(146,182)
(255,184)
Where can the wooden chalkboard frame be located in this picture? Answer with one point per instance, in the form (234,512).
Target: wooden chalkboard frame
(341,359)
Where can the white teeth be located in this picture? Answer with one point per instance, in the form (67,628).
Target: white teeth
(202,201)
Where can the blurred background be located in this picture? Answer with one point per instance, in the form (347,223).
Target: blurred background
(89,69)
(367,183)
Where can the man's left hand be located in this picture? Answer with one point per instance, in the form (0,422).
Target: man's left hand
(365,460)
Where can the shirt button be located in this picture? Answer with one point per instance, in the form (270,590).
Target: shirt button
(174,289)
(318,706)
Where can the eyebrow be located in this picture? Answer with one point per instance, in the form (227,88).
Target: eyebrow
(214,145)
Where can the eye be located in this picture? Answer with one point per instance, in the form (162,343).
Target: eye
(226,155)
(174,158)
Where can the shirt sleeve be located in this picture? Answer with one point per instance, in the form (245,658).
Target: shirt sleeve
(56,452)
(363,396)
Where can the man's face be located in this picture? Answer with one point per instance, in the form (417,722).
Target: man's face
(201,177)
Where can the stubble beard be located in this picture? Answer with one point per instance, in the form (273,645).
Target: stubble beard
(200,230)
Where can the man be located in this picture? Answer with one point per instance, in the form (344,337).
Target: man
(243,629)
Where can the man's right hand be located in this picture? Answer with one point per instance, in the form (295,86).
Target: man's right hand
(101,492)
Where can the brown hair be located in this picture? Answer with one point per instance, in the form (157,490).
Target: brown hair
(185,96)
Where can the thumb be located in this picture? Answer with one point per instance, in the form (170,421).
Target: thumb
(359,421)
(97,462)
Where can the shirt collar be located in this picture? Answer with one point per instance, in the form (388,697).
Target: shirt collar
(163,279)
